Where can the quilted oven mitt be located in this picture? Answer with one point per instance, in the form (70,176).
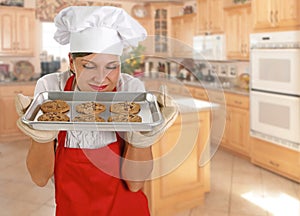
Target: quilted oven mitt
(22,103)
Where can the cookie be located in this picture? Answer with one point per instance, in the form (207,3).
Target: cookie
(88,118)
(125,118)
(53,116)
(55,106)
(125,107)
(90,108)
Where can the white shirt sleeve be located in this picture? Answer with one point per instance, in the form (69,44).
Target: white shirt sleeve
(52,82)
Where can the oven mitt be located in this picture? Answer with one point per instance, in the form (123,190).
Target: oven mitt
(22,103)
(169,111)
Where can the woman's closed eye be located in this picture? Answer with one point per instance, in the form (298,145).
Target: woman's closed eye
(111,66)
(89,65)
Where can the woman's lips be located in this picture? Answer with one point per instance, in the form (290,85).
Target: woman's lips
(98,88)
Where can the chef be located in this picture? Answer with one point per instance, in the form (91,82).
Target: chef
(95,172)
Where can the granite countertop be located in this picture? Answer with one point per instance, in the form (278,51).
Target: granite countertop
(213,86)
(206,85)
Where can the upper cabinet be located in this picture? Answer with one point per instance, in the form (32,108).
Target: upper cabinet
(276,15)
(209,16)
(183,31)
(159,27)
(237,29)
(17,33)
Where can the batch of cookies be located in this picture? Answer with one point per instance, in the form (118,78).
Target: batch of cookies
(56,110)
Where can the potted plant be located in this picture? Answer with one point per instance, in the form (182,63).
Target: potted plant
(133,61)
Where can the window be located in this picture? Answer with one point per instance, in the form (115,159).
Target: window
(50,45)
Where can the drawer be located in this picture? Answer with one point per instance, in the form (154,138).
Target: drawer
(200,93)
(240,101)
(276,158)
(12,90)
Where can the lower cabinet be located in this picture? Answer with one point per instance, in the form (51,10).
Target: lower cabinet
(236,135)
(8,114)
(276,158)
(180,182)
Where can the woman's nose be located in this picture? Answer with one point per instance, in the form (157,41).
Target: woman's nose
(100,74)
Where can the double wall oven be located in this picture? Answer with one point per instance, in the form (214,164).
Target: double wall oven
(275,87)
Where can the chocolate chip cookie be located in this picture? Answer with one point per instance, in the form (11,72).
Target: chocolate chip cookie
(55,106)
(88,118)
(125,108)
(125,118)
(53,116)
(90,108)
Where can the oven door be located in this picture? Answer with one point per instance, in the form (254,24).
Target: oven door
(275,115)
(276,70)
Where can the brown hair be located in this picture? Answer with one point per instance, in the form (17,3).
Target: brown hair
(80,54)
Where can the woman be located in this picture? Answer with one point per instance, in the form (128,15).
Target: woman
(95,172)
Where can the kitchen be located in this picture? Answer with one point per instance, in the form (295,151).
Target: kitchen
(238,148)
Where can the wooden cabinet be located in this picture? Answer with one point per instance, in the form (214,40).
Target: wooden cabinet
(8,114)
(237,29)
(210,18)
(237,130)
(276,15)
(276,158)
(236,135)
(161,27)
(185,185)
(183,31)
(17,31)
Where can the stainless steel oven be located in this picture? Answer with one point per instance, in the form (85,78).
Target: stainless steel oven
(275,87)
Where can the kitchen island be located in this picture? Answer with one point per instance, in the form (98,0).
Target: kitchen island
(181,174)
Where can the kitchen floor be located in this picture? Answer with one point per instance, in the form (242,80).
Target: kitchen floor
(238,188)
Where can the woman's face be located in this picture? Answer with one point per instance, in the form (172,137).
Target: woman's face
(96,72)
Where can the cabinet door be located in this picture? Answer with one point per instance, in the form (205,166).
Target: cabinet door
(17,31)
(238,28)
(7,32)
(276,158)
(239,130)
(202,13)
(276,15)
(287,13)
(25,32)
(216,18)
(8,114)
(233,26)
(262,17)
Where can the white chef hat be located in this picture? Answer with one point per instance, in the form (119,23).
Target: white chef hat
(97,29)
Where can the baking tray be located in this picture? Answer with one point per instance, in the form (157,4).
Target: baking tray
(150,112)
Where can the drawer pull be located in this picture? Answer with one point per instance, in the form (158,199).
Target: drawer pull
(238,102)
(274,164)
(18,92)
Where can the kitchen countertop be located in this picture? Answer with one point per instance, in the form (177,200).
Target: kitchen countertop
(213,86)
(189,105)
(203,84)
(14,82)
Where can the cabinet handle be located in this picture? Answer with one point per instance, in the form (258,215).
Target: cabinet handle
(271,17)
(276,17)
(238,102)
(18,92)
(274,164)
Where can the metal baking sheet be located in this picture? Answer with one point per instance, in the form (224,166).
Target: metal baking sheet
(150,113)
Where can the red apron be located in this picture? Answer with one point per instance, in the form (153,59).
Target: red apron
(83,189)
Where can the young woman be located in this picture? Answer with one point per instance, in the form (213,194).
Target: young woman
(95,172)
